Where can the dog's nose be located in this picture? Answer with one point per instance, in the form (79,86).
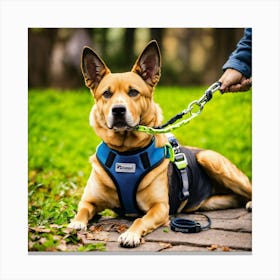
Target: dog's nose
(118,111)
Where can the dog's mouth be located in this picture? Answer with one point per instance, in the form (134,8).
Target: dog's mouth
(121,125)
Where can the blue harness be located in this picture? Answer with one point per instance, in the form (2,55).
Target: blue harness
(127,169)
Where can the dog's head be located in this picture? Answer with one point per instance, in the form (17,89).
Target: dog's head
(123,100)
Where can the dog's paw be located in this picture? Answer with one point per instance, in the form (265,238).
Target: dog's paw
(77,225)
(249,206)
(129,239)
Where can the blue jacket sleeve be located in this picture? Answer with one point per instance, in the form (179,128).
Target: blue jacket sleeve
(241,58)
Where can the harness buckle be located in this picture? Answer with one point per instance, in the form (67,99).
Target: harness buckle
(169,152)
(181,161)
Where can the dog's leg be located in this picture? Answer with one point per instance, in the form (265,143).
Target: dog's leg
(225,173)
(155,217)
(221,202)
(86,211)
(152,197)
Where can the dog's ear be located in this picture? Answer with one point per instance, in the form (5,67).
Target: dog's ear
(148,64)
(93,68)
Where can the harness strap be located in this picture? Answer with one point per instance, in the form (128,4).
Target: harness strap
(181,163)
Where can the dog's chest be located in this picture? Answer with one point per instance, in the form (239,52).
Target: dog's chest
(127,170)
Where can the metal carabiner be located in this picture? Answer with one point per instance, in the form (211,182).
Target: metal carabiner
(213,88)
(198,111)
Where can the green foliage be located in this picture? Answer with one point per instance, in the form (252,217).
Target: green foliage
(92,247)
(60,142)
(165,229)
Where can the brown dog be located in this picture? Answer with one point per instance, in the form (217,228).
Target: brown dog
(123,101)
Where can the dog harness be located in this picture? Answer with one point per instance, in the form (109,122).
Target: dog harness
(186,179)
(127,169)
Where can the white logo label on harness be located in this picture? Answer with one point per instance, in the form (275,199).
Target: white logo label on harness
(125,167)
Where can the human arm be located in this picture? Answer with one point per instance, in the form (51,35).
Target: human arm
(238,68)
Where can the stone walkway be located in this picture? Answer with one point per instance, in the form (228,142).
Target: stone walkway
(231,231)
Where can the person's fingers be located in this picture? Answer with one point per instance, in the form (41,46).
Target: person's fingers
(223,87)
(225,84)
(234,88)
(246,84)
(229,78)
(243,86)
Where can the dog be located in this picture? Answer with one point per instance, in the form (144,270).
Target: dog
(122,102)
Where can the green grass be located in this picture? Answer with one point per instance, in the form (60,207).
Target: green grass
(60,142)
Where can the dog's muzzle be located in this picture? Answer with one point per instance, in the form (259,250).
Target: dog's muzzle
(120,118)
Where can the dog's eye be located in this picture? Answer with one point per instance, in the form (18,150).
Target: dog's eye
(133,92)
(107,94)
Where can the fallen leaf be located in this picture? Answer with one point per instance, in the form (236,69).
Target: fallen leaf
(57,237)
(165,245)
(96,228)
(34,237)
(56,226)
(109,227)
(165,229)
(121,228)
(40,229)
(51,249)
(62,246)
(225,249)
(30,244)
(42,240)
(213,247)
(98,236)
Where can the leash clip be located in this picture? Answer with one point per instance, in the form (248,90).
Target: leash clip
(181,161)
(213,88)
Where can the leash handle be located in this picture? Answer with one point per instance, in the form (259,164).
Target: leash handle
(189,226)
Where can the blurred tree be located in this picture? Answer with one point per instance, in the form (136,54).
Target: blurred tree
(40,46)
(128,46)
(65,71)
(190,55)
(157,34)
(224,42)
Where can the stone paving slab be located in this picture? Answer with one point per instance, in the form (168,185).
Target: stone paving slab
(230,239)
(231,231)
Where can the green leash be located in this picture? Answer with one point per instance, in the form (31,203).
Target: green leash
(194,109)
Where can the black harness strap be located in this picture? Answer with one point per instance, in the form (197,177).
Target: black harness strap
(181,163)
(110,159)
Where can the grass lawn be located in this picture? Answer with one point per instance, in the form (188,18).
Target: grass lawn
(60,142)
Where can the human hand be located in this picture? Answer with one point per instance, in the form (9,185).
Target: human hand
(232,81)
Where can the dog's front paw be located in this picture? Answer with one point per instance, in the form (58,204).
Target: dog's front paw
(77,225)
(129,239)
